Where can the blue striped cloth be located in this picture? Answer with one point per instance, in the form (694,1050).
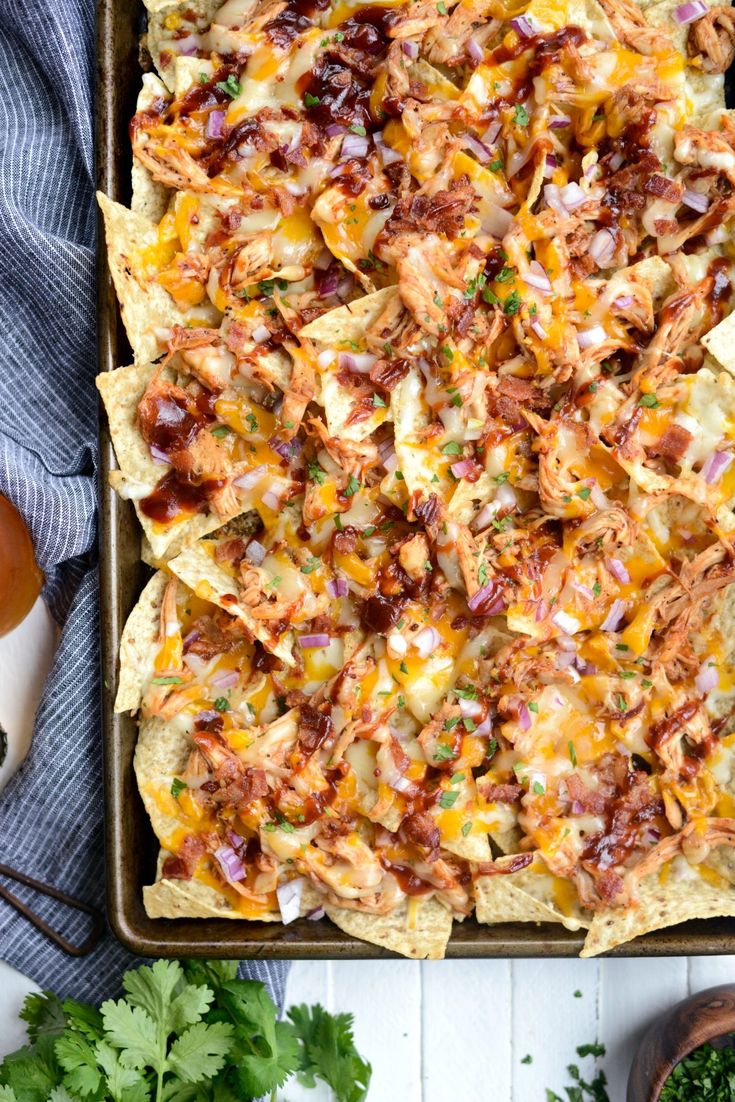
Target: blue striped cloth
(51,812)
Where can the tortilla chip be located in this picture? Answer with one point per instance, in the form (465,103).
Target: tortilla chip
(587,14)
(150,199)
(344,329)
(186,899)
(418,930)
(166,19)
(139,643)
(663,900)
(121,390)
(161,754)
(720,342)
(208,579)
(524,896)
(411,415)
(144,304)
(337,328)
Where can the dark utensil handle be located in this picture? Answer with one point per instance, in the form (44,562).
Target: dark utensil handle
(98,921)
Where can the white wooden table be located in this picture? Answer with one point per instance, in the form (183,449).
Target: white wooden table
(443,1029)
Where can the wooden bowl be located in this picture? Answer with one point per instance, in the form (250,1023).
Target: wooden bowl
(689,1024)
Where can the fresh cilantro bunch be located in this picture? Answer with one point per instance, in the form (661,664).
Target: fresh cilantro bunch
(183,1032)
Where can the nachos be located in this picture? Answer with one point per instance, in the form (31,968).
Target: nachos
(430,429)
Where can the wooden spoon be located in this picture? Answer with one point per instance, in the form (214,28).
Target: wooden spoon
(689,1024)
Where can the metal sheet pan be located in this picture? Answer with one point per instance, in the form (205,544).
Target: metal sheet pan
(131,847)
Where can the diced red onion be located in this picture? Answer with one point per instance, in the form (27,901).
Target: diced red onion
(577,807)
(597,497)
(261,333)
(622,302)
(426,641)
(559,122)
(195,663)
(539,330)
(475,50)
(707,678)
(565,659)
(255,552)
(715,466)
(496,221)
(207,716)
(334,129)
(617,569)
(250,478)
(316,640)
(388,155)
(191,637)
(616,161)
(337,587)
(188,45)
(536,277)
(462,468)
(584,590)
(524,717)
(158,455)
(567,642)
(591,338)
(410,49)
(602,247)
(491,134)
(316,914)
(615,616)
(552,198)
(550,165)
(361,362)
(227,679)
(471,709)
(485,516)
(484,728)
(524,26)
(695,200)
(689,12)
(230,864)
(585,668)
(234,839)
(272,500)
(481,151)
(354,145)
(287,449)
(505,496)
(482,595)
(572,196)
(289,899)
(568,624)
(325,358)
(215,123)
(542,611)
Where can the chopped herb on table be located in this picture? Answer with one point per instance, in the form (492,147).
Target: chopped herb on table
(183,1032)
(581,1090)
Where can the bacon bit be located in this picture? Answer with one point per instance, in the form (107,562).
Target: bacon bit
(517,862)
(421,829)
(314,728)
(673,444)
(664,188)
(388,373)
(444,212)
(499,793)
(181,865)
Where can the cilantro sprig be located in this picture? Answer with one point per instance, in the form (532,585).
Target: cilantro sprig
(182,1032)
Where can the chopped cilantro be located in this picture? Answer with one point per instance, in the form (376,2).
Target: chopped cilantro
(452,448)
(352,486)
(448,799)
(310,566)
(650,401)
(572,753)
(177,787)
(584,493)
(230,87)
(538,788)
(316,473)
(533,707)
(222,704)
(311,101)
(378,402)
(221,430)
(466,828)
(166,681)
(512,304)
(358,128)
(521,115)
(505,275)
